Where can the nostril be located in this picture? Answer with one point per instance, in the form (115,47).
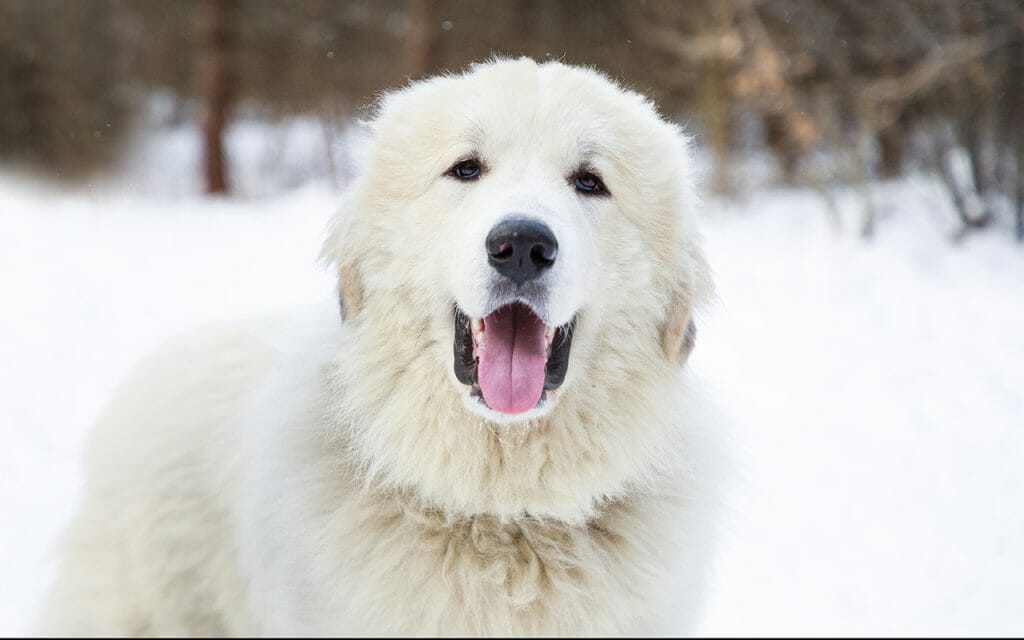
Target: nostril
(503,251)
(543,255)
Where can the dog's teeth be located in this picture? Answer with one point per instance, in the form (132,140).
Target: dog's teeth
(476,326)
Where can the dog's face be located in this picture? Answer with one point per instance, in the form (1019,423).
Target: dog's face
(532,221)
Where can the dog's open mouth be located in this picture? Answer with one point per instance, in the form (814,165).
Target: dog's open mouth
(510,357)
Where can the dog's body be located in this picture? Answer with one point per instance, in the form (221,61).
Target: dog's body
(304,475)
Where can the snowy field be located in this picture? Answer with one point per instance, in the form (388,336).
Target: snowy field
(876,389)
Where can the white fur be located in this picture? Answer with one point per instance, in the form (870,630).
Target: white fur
(302,475)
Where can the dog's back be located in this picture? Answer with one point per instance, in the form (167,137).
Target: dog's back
(151,551)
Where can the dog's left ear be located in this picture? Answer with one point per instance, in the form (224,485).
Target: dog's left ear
(689,286)
(680,333)
(690,289)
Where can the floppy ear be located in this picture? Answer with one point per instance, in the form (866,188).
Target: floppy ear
(350,291)
(680,333)
(690,289)
(689,285)
(334,255)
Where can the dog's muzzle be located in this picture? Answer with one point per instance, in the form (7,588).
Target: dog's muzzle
(511,357)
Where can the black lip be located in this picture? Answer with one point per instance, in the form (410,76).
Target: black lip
(465,363)
(558,361)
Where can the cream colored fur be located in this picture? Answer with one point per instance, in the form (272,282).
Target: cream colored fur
(304,475)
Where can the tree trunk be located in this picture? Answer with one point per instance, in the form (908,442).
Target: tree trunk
(215,91)
(890,146)
(421,42)
(781,144)
(715,114)
(1020,197)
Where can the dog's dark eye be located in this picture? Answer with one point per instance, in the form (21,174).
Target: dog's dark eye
(466,170)
(589,184)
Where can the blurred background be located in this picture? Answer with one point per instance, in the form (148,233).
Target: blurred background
(166,164)
(882,88)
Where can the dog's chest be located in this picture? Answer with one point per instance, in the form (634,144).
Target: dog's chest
(417,574)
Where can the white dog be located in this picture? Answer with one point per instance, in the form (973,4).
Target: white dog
(500,437)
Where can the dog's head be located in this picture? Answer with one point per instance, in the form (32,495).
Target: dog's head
(521,235)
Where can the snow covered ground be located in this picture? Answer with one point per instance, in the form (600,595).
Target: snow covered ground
(876,389)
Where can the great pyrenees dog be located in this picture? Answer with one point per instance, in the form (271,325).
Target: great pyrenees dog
(499,435)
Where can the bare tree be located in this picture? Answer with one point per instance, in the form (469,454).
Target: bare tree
(881,87)
(421,40)
(215,89)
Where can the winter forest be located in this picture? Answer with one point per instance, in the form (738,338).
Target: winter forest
(862,181)
(882,89)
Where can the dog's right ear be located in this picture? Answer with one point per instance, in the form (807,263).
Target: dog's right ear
(334,254)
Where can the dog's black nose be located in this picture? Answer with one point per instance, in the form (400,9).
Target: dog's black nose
(521,249)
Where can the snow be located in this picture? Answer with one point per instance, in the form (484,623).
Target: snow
(876,389)
(878,394)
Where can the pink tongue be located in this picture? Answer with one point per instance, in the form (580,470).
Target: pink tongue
(512,359)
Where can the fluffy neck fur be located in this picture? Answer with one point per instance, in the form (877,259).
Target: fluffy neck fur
(566,466)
